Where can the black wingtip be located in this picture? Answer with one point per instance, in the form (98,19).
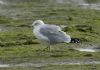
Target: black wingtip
(75,40)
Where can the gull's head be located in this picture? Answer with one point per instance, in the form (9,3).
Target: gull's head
(37,23)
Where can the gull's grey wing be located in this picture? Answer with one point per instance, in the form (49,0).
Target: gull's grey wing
(54,34)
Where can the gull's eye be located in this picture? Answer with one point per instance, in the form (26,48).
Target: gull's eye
(36,24)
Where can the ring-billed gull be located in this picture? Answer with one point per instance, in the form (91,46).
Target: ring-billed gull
(49,34)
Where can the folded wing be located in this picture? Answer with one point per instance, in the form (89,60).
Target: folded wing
(54,34)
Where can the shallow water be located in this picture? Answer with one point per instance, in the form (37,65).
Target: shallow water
(57,1)
(4,28)
(50,63)
(1,2)
(4,65)
(86,50)
(89,49)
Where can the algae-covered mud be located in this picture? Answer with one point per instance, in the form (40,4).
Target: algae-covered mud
(20,50)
